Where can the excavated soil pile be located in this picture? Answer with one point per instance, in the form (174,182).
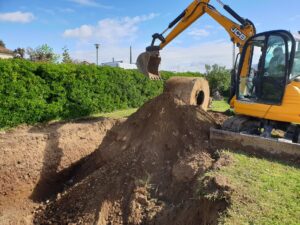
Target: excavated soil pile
(146,171)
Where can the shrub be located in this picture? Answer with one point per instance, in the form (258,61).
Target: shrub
(219,79)
(32,92)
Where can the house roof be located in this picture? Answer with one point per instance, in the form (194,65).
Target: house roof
(5,50)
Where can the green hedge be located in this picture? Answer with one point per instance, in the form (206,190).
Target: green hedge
(36,92)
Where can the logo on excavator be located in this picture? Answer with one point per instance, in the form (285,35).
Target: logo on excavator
(238,33)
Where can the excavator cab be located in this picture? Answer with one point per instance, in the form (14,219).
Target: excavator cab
(264,79)
(268,78)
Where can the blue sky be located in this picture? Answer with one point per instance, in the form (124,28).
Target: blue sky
(117,24)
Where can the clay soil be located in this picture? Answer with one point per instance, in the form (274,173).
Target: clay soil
(148,169)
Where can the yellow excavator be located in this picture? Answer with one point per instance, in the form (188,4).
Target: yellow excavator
(265,82)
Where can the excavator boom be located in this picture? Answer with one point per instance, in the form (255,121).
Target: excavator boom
(239,32)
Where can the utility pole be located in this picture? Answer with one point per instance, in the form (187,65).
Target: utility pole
(299,44)
(130,54)
(97,53)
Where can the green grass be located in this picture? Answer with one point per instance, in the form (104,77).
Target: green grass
(220,106)
(116,114)
(266,192)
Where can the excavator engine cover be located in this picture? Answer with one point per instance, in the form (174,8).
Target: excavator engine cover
(148,63)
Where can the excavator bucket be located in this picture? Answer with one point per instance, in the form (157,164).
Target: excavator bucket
(148,64)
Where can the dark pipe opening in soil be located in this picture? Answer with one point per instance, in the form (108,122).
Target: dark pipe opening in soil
(200,98)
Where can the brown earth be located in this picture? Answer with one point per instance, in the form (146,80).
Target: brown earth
(36,162)
(147,170)
(219,117)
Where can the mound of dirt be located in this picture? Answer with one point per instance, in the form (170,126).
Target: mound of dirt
(146,171)
(35,162)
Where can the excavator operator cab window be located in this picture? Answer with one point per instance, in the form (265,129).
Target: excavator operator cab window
(265,68)
(296,66)
(248,82)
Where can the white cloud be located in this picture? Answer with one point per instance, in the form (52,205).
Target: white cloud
(198,32)
(48,11)
(106,53)
(178,59)
(66,10)
(83,32)
(91,3)
(195,57)
(109,30)
(17,17)
(209,27)
(297,35)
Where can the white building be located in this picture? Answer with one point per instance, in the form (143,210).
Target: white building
(5,53)
(120,64)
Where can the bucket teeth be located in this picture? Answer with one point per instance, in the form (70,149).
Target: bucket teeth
(148,64)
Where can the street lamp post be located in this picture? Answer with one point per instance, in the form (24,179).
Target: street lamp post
(299,44)
(97,53)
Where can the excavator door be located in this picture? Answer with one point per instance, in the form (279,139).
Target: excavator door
(265,66)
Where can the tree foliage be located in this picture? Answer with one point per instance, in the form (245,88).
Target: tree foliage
(219,79)
(2,44)
(19,53)
(43,53)
(66,58)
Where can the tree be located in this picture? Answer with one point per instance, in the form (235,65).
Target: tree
(2,44)
(43,53)
(219,79)
(19,53)
(66,58)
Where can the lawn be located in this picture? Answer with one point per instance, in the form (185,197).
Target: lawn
(220,106)
(217,106)
(266,192)
(116,114)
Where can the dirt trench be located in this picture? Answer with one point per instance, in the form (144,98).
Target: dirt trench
(37,162)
